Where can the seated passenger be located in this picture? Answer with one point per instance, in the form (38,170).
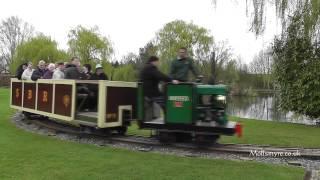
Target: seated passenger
(87,71)
(93,88)
(20,70)
(58,73)
(49,73)
(27,73)
(151,76)
(39,72)
(72,70)
(99,74)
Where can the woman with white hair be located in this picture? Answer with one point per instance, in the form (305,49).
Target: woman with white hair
(49,73)
(27,73)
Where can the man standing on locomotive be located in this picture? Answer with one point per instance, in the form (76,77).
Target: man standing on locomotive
(180,67)
(151,76)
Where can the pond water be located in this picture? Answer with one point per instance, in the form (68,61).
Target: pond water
(264,107)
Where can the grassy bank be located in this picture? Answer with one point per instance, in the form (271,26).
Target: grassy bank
(27,156)
(276,134)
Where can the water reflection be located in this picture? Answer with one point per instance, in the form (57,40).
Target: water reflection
(264,107)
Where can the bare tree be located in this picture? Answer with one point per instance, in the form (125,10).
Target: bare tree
(13,31)
(262,66)
(220,55)
(130,58)
(223,53)
(241,65)
(262,63)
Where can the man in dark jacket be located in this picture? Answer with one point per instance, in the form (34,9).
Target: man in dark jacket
(40,71)
(151,76)
(49,72)
(180,67)
(72,70)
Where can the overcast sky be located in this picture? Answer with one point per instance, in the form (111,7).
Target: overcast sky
(131,24)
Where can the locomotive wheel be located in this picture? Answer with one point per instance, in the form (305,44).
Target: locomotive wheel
(166,137)
(183,137)
(204,140)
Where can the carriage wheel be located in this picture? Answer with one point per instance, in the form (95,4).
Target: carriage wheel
(122,130)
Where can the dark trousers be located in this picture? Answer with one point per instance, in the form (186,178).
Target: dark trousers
(159,100)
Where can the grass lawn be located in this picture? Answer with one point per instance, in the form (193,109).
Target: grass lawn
(134,130)
(27,156)
(276,134)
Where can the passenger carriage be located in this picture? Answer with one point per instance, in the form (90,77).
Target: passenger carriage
(61,100)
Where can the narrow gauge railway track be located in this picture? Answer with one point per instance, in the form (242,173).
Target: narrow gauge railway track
(249,149)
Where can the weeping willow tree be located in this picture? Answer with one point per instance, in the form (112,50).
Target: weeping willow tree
(297,64)
(256,10)
(179,33)
(296,51)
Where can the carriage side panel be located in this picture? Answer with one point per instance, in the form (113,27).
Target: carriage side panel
(63,100)
(120,96)
(16,94)
(29,95)
(45,95)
